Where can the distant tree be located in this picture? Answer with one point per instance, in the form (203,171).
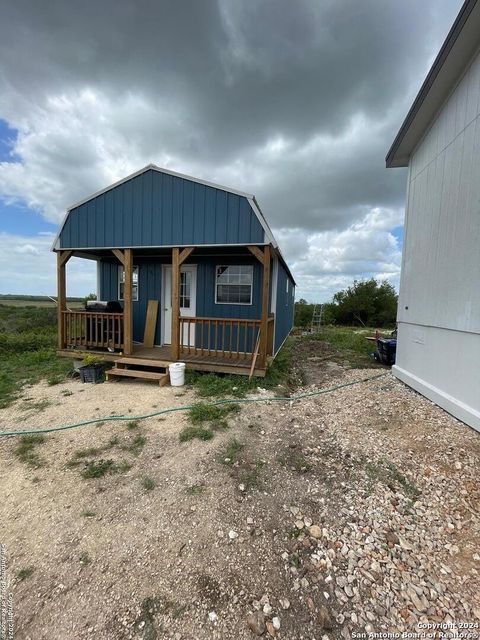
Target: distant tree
(91,296)
(303,313)
(368,303)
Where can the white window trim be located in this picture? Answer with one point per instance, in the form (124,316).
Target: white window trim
(244,304)
(120,280)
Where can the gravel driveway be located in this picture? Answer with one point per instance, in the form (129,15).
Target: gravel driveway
(347,512)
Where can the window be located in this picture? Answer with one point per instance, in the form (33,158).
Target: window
(185,289)
(233,284)
(121,283)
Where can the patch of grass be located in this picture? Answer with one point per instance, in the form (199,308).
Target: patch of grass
(84,559)
(135,445)
(148,483)
(294,460)
(123,466)
(387,473)
(100,424)
(25,450)
(99,468)
(66,392)
(114,440)
(250,475)
(295,561)
(203,412)
(195,489)
(28,349)
(56,379)
(231,452)
(133,424)
(39,405)
(351,344)
(25,573)
(279,373)
(88,514)
(191,432)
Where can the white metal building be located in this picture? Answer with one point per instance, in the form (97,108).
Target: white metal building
(438,351)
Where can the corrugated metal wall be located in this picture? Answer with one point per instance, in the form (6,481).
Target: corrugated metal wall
(285,307)
(156,209)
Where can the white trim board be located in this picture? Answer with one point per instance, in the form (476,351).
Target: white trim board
(458,409)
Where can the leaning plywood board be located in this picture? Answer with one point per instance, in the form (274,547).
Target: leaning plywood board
(150,323)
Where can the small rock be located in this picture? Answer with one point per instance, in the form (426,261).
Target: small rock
(232,534)
(256,623)
(284,603)
(324,618)
(271,629)
(249,520)
(241,487)
(392,539)
(299,524)
(267,609)
(315,531)
(276,623)
(212,616)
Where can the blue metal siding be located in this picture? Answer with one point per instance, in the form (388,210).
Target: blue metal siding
(150,288)
(157,209)
(285,307)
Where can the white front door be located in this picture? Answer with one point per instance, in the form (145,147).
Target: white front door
(188,300)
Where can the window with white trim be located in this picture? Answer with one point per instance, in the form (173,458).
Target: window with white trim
(185,289)
(121,283)
(234,284)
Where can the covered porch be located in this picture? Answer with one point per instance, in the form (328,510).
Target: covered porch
(223,344)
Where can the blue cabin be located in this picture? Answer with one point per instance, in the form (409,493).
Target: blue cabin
(186,270)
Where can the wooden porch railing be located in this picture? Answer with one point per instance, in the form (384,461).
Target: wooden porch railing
(230,338)
(90,329)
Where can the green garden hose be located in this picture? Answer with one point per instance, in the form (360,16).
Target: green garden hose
(187,407)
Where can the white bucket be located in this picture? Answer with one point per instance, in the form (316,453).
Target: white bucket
(177,374)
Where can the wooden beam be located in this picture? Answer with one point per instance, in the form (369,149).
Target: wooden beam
(184,255)
(258,253)
(265,302)
(64,257)
(175,303)
(61,295)
(119,254)
(128,303)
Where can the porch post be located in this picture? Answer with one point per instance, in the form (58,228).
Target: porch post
(265,301)
(62,259)
(127,303)
(175,303)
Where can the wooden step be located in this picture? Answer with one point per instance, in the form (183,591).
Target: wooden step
(159,376)
(143,362)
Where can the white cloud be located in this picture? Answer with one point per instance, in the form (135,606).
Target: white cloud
(27,266)
(328,261)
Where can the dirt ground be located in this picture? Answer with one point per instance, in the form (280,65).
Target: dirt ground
(345,512)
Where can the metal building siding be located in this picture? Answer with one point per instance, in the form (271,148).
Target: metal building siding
(439,304)
(285,307)
(150,288)
(206,306)
(157,209)
(441,255)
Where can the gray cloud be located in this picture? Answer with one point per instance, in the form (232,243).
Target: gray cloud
(294,101)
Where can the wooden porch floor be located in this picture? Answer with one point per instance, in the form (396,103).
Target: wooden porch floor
(162,356)
(198,361)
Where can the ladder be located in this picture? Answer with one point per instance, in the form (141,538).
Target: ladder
(316,318)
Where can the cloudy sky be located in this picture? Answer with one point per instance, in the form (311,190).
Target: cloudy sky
(296,102)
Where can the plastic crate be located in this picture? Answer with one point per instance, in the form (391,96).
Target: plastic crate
(386,350)
(93,373)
